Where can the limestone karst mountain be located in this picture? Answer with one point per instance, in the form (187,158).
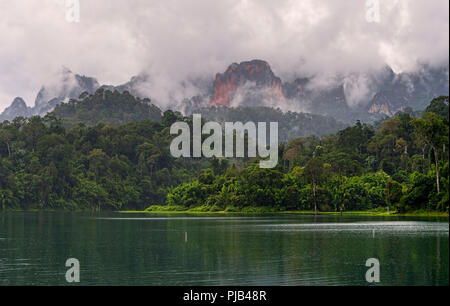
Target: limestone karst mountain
(365,96)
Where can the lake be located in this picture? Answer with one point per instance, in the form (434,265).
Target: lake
(138,249)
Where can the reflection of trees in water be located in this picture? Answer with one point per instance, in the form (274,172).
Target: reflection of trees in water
(218,251)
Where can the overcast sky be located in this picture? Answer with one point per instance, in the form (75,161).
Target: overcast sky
(176,39)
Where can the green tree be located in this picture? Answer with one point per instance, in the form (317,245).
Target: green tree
(434,132)
(394,192)
(316,173)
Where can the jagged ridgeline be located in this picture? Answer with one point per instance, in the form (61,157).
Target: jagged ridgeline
(108,107)
(368,97)
(114,108)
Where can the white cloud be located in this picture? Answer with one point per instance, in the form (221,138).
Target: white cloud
(177,39)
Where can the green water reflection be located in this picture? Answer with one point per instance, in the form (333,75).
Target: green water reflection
(117,249)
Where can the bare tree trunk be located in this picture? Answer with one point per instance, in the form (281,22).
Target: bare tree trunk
(315,200)
(341,200)
(436,159)
(443,153)
(9,149)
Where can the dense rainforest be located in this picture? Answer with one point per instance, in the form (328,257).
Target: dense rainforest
(290,124)
(115,109)
(67,160)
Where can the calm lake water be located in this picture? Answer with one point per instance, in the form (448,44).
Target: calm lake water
(118,249)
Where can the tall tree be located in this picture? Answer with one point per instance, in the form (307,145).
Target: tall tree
(315,173)
(434,132)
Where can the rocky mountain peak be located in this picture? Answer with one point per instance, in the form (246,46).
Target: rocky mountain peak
(17,108)
(18,102)
(256,75)
(64,85)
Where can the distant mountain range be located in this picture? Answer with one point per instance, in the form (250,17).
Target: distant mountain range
(366,97)
(65,86)
(348,98)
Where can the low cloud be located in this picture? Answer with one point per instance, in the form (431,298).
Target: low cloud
(174,41)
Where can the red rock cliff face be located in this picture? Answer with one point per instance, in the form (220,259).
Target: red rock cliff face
(258,72)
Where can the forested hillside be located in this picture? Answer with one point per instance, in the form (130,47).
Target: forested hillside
(290,124)
(43,165)
(402,163)
(107,107)
(114,108)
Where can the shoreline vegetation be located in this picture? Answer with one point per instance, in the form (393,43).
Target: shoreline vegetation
(202,211)
(261,211)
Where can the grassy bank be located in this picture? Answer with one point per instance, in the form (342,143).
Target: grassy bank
(204,210)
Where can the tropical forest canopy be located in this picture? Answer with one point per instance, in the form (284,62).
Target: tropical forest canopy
(68,160)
